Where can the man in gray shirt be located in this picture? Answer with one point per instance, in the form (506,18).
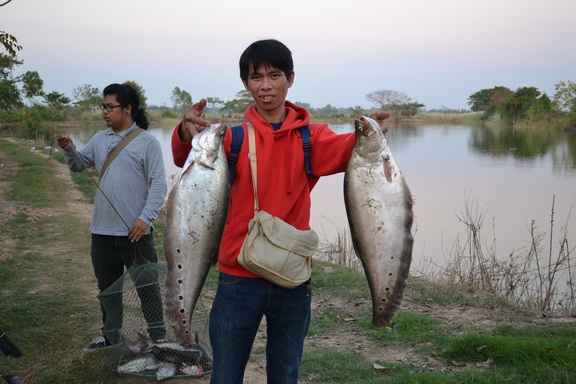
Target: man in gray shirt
(130,195)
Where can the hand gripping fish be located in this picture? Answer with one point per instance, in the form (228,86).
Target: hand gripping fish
(379,209)
(196,211)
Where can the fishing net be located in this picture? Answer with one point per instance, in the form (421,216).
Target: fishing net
(142,345)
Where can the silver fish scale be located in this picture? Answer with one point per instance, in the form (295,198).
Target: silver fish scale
(379,209)
(196,211)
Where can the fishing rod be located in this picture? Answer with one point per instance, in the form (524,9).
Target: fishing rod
(108,200)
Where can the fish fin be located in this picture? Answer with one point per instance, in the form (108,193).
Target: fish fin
(387,169)
(187,167)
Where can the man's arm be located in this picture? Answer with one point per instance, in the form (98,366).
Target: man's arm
(156,192)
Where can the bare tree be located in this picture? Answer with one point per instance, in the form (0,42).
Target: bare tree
(388,99)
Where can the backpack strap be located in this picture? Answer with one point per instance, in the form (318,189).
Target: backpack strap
(307,145)
(237,139)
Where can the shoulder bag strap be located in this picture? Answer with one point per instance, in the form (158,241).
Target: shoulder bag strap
(253,163)
(113,153)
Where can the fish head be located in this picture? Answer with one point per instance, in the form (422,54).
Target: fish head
(369,135)
(207,145)
(368,127)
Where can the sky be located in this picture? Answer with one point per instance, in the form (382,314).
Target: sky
(437,52)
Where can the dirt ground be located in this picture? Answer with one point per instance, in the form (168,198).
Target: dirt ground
(457,317)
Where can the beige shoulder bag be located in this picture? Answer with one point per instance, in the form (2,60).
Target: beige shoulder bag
(274,249)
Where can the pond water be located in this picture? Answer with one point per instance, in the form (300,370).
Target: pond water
(510,177)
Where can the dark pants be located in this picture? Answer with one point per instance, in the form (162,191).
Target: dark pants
(110,255)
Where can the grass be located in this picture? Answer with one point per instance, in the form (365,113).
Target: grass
(325,365)
(28,182)
(85,181)
(49,310)
(538,277)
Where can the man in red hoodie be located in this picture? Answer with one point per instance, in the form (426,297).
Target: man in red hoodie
(243,298)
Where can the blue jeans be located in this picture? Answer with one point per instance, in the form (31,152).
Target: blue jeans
(236,313)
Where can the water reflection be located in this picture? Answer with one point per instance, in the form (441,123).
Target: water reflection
(527,145)
(511,176)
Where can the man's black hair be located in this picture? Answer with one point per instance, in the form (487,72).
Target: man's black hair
(267,53)
(126,95)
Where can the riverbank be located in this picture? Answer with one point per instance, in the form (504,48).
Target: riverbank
(442,334)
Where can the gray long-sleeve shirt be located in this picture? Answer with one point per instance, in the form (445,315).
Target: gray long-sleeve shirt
(133,186)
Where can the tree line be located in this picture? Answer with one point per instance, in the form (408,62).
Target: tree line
(23,100)
(526,104)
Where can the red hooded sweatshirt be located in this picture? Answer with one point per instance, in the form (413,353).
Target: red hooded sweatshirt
(283,186)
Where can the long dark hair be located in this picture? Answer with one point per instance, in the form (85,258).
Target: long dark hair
(125,94)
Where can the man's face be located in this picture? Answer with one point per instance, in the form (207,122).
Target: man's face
(269,87)
(116,117)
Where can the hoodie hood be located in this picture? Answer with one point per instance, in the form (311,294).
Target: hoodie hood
(278,141)
(296,117)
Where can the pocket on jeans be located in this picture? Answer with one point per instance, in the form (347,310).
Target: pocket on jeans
(227,280)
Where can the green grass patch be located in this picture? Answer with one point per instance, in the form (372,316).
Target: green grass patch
(408,326)
(29,184)
(86,181)
(513,348)
(325,322)
(520,355)
(348,283)
(5,272)
(325,365)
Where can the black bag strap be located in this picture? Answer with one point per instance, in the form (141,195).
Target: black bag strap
(307,145)
(238,138)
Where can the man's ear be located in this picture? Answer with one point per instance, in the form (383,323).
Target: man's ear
(291,79)
(245,85)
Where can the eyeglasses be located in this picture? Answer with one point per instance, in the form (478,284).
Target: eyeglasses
(110,108)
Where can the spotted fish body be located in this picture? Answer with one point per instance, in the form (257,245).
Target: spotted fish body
(379,209)
(196,211)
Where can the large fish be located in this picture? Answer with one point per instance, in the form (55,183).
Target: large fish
(196,211)
(379,209)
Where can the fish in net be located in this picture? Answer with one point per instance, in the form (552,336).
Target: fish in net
(134,324)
